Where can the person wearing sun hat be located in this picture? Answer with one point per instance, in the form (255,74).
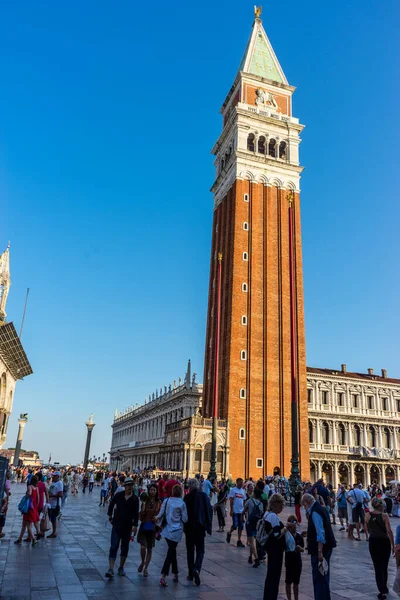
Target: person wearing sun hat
(123,514)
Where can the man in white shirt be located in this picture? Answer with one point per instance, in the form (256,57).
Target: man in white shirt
(237,498)
(55,494)
(91,482)
(104,491)
(356,498)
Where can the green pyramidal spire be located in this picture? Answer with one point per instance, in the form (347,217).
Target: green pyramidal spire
(259,57)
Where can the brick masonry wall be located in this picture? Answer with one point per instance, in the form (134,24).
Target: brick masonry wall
(265,413)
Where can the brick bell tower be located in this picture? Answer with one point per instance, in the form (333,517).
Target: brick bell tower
(256,227)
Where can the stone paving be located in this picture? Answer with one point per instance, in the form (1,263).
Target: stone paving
(72,566)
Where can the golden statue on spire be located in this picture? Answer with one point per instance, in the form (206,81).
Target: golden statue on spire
(257,11)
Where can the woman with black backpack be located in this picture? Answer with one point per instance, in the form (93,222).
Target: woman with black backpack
(253,510)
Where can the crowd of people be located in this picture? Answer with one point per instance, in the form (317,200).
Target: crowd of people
(148,508)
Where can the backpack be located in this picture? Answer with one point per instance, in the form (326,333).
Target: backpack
(24,505)
(261,535)
(256,513)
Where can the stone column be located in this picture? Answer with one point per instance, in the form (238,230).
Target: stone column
(22,421)
(191,460)
(318,425)
(363,434)
(314,432)
(393,436)
(90,426)
(335,475)
(380,443)
(318,469)
(330,428)
(366,474)
(346,434)
(316,394)
(184,461)
(363,404)
(351,473)
(350,434)
(381,471)
(334,432)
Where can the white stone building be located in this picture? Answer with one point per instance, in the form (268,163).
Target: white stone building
(354,426)
(165,431)
(14,364)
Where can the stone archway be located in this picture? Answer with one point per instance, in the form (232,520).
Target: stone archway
(359,474)
(343,471)
(327,472)
(313,472)
(375,475)
(389,475)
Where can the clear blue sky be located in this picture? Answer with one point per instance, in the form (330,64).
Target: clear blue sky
(108,113)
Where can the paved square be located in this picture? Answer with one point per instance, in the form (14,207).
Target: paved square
(72,566)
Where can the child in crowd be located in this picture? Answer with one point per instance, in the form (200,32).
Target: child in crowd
(293,561)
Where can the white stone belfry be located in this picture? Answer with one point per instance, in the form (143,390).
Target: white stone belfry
(261,137)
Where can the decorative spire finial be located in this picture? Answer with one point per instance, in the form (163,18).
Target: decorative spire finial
(257,12)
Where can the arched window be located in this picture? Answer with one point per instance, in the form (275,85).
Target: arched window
(371,436)
(386,435)
(261,145)
(242,434)
(244,287)
(357,435)
(197,460)
(310,432)
(245,256)
(251,142)
(272,148)
(342,434)
(242,393)
(243,355)
(282,150)
(207,452)
(325,432)
(244,320)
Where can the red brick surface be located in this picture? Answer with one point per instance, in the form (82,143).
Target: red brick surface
(266,374)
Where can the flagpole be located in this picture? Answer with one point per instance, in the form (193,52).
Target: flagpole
(213,462)
(294,478)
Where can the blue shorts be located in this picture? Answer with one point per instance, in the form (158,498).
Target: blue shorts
(103,493)
(237,521)
(250,531)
